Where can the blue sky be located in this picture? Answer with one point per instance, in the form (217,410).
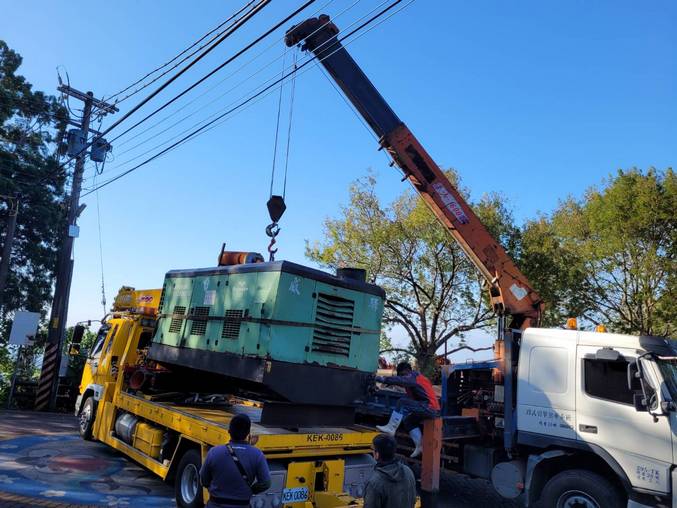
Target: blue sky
(536,100)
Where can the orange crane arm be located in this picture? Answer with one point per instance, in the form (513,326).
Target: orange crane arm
(509,289)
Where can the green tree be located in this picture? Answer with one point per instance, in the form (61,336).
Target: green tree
(433,291)
(31,125)
(610,257)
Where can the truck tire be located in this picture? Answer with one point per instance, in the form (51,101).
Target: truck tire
(86,419)
(580,489)
(187,486)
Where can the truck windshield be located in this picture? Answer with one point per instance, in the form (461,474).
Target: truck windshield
(668,368)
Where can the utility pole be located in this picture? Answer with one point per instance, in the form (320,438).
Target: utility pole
(7,246)
(49,375)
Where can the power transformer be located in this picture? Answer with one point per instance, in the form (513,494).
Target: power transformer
(297,334)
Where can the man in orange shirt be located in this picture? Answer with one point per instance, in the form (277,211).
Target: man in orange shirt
(420,404)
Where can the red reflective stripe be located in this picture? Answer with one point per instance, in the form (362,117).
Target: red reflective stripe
(427,386)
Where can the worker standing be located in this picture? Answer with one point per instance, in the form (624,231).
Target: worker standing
(420,404)
(392,485)
(234,472)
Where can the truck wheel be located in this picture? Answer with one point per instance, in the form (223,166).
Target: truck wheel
(578,488)
(187,487)
(86,419)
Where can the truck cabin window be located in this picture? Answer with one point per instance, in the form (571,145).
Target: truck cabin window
(605,379)
(669,370)
(98,343)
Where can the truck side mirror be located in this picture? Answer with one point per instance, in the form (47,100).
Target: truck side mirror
(633,373)
(639,402)
(644,398)
(78,332)
(74,350)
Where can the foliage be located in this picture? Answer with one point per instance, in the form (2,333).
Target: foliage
(433,291)
(611,256)
(31,124)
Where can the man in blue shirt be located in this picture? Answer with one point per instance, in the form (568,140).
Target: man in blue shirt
(234,472)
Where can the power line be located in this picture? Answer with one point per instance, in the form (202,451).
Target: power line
(217,84)
(256,95)
(224,94)
(216,69)
(157,69)
(262,93)
(227,33)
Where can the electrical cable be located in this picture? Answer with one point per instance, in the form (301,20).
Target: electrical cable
(217,84)
(213,123)
(227,33)
(222,95)
(213,71)
(157,69)
(203,107)
(232,29)
(354,111)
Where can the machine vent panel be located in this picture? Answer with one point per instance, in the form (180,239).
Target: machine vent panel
(231,324)
(198,325)
(175,325)
(162,299)
(333,319)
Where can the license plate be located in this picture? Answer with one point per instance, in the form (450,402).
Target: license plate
(295,495)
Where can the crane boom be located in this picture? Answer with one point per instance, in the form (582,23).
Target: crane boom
(509,289)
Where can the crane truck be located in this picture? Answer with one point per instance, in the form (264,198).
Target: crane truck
(566,418)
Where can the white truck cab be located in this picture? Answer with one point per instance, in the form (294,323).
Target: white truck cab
(595,414)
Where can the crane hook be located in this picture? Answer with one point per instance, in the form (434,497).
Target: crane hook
(272,230)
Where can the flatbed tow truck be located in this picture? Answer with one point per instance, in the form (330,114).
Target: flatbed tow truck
(169,435)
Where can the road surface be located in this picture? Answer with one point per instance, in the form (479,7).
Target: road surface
(43,463)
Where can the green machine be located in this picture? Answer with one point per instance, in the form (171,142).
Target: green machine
(296,334)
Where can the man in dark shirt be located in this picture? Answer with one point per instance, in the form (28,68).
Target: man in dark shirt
(421,403)
(392,484)
(234,472)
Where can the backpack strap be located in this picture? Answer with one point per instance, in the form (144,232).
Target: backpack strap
(239,466)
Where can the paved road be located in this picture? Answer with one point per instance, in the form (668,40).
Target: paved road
(44,463)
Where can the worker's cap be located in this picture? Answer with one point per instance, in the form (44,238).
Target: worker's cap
(239,427)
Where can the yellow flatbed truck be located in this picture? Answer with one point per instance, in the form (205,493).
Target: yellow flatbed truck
(310,467)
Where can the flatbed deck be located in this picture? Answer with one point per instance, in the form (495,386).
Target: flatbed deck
(210,426)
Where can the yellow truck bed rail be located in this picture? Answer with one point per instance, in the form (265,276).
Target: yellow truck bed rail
(210,426)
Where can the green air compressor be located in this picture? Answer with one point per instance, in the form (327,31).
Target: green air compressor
(296,334)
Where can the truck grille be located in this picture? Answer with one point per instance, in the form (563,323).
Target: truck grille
(198,325)
(175,325)
(333,318)
(231,324)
